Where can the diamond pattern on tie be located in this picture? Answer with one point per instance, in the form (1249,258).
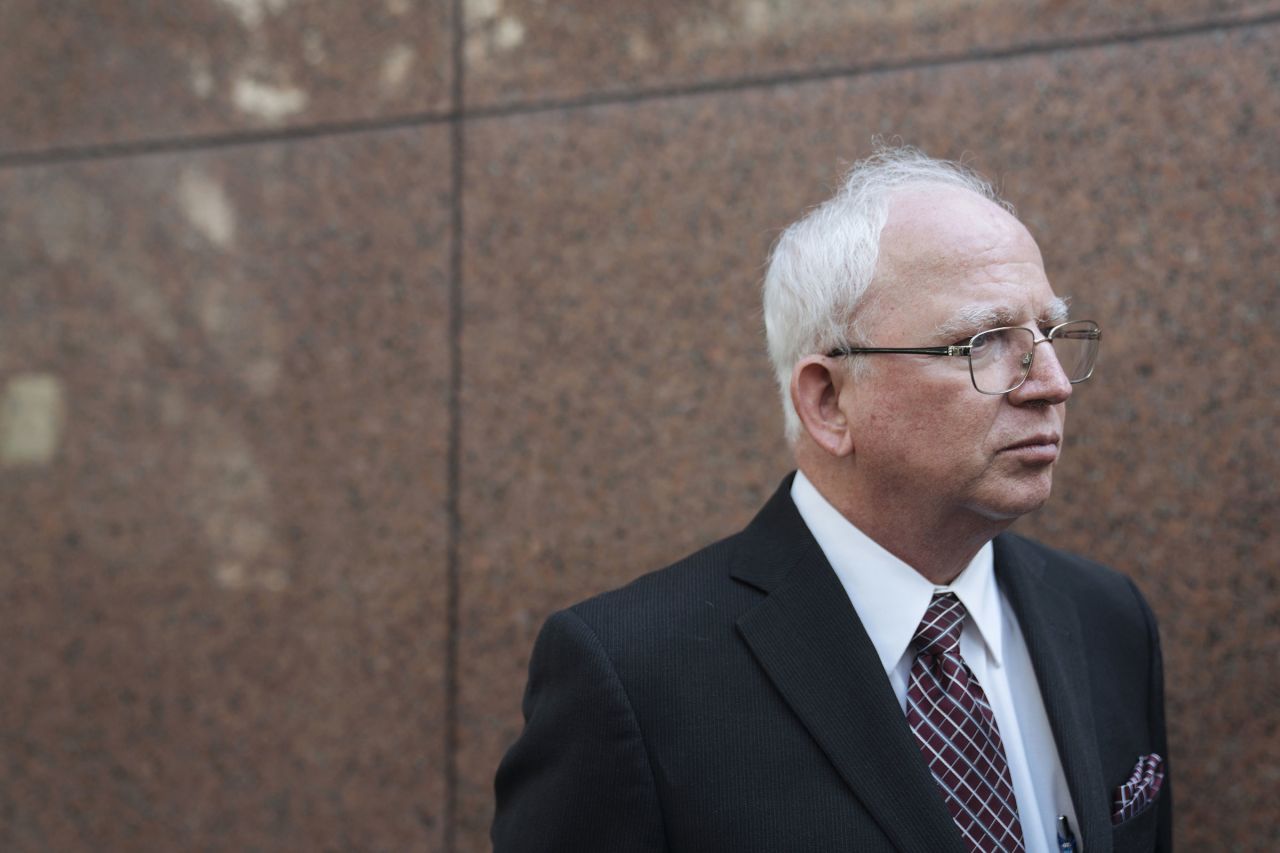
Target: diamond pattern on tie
(956,729)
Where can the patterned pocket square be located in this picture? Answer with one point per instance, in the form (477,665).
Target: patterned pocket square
(1140,791)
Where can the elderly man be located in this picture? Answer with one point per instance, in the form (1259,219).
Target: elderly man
(872,664)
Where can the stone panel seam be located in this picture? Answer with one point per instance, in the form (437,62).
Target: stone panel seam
(457,135)
(919,63)
(168,145)
(213,142)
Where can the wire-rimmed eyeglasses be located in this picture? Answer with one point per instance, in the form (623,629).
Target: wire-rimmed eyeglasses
(1000,359)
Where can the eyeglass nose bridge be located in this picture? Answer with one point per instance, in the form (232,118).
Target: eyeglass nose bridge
(1029,359)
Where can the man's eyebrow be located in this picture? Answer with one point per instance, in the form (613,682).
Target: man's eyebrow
(975,318)
(1055,312)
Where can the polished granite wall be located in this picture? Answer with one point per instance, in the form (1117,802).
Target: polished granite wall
(340,343)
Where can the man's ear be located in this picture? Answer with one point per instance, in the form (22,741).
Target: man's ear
(816,383)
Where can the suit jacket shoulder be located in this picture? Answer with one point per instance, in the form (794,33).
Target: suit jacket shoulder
(667,605)
(1106,602)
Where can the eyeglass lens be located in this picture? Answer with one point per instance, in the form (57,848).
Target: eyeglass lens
(1001,358)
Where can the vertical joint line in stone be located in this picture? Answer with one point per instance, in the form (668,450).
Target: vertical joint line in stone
(453,597)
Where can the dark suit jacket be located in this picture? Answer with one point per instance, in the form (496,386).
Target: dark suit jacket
(733,702)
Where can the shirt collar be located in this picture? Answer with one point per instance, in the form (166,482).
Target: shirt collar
(889,596)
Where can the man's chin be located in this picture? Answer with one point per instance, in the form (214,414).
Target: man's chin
(1015,501)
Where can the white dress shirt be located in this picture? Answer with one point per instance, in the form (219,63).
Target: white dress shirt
(890,598)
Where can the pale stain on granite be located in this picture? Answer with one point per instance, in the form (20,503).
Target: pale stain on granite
(33,410)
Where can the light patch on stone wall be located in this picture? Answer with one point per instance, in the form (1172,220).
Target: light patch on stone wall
(508,34)
(202,82)
(313,48)
(744,22)
(262,376)
(399,8)
(639,47)
(206,206)
(229,493)
(267,101)
(481,11)
(395,67)
(230,574)
(253,12)
(32,416)
(244,329)
(489,31)
(757,17)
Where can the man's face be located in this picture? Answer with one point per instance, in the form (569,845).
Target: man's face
(951,265)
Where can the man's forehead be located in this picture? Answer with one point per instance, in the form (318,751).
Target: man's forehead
(947,254)
(936,231)
(925,220)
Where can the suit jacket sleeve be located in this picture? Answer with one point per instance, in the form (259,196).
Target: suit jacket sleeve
(578,777)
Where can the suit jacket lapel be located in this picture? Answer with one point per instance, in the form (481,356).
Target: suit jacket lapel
(808,639)
(1052,630)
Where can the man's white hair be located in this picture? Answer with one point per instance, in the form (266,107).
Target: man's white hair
(821,265)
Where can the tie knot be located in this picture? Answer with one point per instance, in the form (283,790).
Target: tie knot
(939,631)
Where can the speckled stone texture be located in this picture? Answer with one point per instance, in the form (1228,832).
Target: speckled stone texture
(222,480)
(225,371)
(87,73)
(518,50)
(618,410)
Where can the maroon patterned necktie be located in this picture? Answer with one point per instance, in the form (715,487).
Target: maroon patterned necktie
(952,720)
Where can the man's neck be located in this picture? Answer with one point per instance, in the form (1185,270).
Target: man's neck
(938,545)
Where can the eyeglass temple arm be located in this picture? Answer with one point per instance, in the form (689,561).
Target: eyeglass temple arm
(952,350)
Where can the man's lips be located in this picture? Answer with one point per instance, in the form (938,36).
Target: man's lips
(1036,441)
(1042,447)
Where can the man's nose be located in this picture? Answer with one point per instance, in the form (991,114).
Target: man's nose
(1046,380)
